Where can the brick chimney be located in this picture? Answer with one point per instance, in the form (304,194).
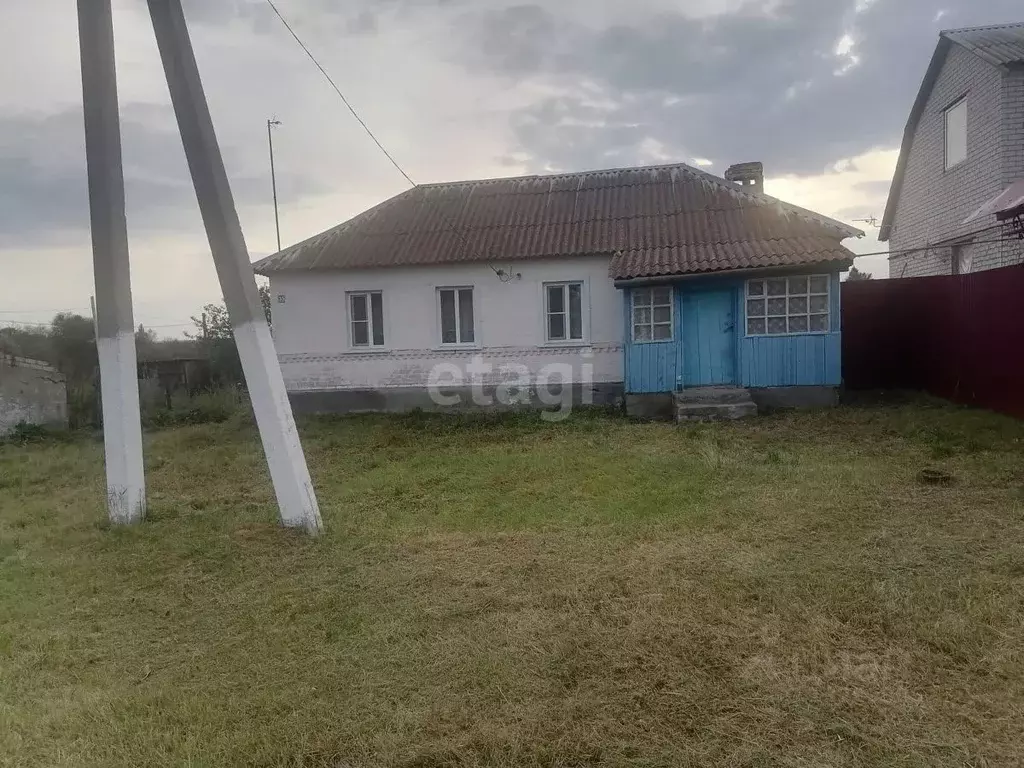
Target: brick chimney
(747,175)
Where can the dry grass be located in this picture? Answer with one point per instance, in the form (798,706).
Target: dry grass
(776,592)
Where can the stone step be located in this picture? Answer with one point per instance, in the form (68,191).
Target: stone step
(713,395)
(715,411)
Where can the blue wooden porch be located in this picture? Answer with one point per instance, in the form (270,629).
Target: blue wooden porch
(698,332)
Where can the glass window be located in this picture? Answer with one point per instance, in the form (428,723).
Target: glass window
(956,133)
(366,319)
(457,317)
(779,306)
(564,311)
(652,314)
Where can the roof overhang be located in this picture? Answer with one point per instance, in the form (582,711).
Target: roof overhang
(1006,205)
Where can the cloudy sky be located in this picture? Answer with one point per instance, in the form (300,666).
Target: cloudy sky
(819,90)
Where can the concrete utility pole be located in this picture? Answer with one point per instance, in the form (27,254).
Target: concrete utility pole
(288,470)
(115,326)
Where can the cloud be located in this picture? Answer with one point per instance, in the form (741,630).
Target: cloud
(43,180)
(795,83)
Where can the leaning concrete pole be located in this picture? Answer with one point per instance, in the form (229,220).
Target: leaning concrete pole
(115,327)
(288,470)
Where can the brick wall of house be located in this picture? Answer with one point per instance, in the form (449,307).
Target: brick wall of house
(1013,126)
(934,201)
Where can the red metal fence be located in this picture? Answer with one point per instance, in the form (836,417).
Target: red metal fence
(959,337)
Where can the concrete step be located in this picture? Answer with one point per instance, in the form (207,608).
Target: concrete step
(714,411)
(713,395)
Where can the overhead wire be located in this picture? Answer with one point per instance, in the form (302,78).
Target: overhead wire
(369,132)
(455,229)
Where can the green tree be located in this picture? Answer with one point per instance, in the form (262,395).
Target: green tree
(856,274)
(213,329)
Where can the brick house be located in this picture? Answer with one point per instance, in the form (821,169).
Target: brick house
(629,283)
(963,145)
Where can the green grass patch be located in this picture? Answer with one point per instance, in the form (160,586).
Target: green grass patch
(504,591)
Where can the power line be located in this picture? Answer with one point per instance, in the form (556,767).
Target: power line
(932,247)
(502,275)
(340,94)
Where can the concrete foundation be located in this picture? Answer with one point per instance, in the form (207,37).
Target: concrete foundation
(787,398)
(658,406)
(456,399)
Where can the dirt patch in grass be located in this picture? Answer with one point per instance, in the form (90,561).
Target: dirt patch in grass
(776,592)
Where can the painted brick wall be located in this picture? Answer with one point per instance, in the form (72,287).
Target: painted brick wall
(311,326)
(934,201)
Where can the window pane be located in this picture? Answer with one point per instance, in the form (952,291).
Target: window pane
(377,313)
(755,307)
(798,305)
(798,324)
(663,314)
(556,327)
(776,306)
(360,334)
(756,325)
(755,288)
(642,297)
(819,303)
(641,315)
(576,311)
(662,295)
(468,333)
(556,298)
(956,134)
(798,285)
(662,332)
(819,284)
(819,322)
(359,307)
(776,325)
(777,287)
(642,332)
(448,335)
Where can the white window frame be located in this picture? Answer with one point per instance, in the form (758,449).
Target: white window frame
(749,297)
(960,104)
(370,327)
(458,317)
(633,306)
(584,316)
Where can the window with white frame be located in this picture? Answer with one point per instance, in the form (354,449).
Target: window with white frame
(785,305)
(457,320)
(563,311)
(366,319)
(956,133)
(652,314)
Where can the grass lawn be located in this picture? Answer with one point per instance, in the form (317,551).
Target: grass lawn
(782,591)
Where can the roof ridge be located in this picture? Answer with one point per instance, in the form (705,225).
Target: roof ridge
(983,28)
(559,175)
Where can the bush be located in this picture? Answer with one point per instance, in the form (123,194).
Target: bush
(213,407)
(34,433)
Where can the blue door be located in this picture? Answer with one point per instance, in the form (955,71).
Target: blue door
(709,338)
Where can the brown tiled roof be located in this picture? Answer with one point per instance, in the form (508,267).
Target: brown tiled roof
(664,220)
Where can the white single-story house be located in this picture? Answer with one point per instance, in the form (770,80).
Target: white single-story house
(640,281)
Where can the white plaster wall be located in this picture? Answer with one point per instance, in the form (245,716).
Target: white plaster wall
(312,337)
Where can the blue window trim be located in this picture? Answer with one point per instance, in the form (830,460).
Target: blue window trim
(672,316)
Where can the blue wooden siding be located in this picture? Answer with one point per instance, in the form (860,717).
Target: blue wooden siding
(761,361)
(653,366)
